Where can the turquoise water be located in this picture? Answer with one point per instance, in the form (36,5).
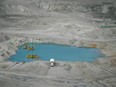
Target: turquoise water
(58,52)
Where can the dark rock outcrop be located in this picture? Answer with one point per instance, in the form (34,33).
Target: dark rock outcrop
(4,37)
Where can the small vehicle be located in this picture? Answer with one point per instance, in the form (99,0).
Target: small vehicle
(52,62)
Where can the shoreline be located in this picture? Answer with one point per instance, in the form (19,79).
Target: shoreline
(21,39)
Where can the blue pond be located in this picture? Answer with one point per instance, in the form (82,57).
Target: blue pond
(59,52)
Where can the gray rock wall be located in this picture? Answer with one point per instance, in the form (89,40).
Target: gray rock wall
(26,7)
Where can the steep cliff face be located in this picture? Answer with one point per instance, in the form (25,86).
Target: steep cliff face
(32,7)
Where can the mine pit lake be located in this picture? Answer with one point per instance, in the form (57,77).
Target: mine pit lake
(46,51)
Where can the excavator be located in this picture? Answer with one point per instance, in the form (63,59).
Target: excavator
(30,56)
(28,47)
